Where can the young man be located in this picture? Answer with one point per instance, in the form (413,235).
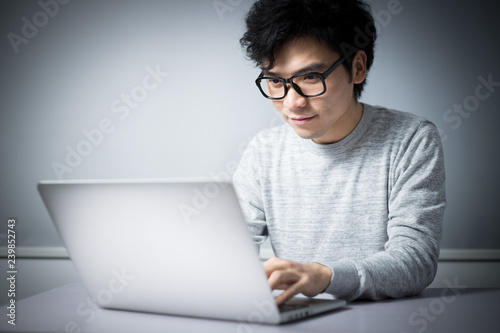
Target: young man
(352,196)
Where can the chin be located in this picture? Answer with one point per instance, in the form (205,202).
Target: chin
(306,134)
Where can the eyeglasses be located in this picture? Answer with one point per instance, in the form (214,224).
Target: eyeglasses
(307,85)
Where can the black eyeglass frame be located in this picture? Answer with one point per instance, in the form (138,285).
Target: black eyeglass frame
(322,76)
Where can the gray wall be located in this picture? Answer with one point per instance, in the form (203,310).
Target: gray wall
(71,74)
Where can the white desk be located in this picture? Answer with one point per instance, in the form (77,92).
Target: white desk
(68,309)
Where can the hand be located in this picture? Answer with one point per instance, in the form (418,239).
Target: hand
(293,277)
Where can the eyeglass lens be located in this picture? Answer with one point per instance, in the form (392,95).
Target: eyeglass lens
(309,85)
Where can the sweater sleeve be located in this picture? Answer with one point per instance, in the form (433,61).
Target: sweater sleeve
(247,187)
(416,206)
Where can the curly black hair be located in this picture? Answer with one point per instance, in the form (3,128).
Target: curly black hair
(344,25)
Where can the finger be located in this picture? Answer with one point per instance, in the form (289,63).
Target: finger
(273,264)
(282,279)
(267,265)
(289,293)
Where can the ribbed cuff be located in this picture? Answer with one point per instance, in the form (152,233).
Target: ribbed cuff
(345,280)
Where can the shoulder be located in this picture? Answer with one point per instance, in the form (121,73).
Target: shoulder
(397,119)
(264,145)
(271,138)
(398,125)
(278,132)
(411,139)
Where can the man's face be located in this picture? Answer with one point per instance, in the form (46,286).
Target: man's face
(326,118)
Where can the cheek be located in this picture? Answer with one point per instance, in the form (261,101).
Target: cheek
(278,105)
(340,91)
(340,83)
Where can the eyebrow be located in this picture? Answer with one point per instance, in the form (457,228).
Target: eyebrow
(312,67)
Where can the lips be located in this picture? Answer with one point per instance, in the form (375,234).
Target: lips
(302,121)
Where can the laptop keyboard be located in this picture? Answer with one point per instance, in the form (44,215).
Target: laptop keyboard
(289,307)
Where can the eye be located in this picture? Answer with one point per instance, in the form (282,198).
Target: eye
(274,82)
(311,78)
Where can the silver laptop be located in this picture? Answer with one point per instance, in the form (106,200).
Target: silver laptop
(178,247)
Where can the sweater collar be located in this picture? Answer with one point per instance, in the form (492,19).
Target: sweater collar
(346,143)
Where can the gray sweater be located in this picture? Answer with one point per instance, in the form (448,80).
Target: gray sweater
(370,207)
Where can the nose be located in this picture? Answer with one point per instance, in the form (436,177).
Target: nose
(293,100)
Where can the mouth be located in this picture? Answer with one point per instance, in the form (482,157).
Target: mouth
(302,121)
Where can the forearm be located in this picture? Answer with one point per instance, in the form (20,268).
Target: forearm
(387,274)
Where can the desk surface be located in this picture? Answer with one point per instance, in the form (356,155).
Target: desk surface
(69,309)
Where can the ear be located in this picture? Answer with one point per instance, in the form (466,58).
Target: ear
(359,67)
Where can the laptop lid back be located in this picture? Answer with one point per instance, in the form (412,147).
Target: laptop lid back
(175,247)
